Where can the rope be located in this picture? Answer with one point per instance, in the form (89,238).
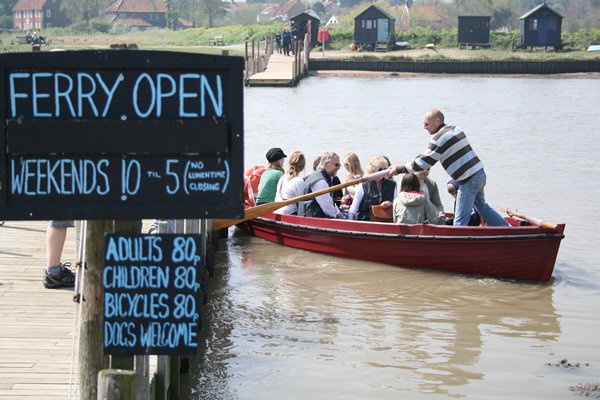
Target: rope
(78,298)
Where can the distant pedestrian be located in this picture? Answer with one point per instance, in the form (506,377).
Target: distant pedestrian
(286,38)
(278,42)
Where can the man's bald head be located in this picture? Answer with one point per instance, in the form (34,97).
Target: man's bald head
(433,120)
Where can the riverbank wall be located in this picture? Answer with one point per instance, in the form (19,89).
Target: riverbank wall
(457,66)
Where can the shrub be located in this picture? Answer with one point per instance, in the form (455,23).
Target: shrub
(6,22)
(99,25)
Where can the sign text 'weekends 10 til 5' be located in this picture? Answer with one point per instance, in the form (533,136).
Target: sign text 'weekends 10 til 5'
(121,134)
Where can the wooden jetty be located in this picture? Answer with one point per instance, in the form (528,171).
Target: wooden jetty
(36,324)
(282,70)
(38,335)
(279,72)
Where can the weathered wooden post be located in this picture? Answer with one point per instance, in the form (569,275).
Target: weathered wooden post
(116,384)
(91,357)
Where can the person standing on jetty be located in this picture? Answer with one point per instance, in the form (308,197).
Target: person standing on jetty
(449,145)
(57,274)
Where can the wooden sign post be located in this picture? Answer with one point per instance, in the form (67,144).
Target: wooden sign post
(127,135)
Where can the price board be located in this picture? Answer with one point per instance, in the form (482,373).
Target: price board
(152,294)
(120,134)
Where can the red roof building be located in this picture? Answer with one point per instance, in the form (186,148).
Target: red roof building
(137,15)
(38,14)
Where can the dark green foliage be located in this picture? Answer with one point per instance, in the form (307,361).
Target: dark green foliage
(6,22)
(581,39)
(6,7)
(319,8)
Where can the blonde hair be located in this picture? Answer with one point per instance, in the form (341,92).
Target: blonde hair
(354,167)
(296,164)
(376,163)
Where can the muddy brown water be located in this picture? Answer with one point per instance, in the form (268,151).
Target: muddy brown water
(289,324)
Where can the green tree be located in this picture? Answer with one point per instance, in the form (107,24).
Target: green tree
(319,8)
(6,7)
(81,10)
(213,9)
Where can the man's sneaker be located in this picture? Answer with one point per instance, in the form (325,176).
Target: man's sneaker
(66,278)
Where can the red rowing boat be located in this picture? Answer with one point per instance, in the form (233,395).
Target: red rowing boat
(522,251)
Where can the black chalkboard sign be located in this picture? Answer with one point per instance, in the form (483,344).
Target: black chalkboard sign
(120,134)
(152,294)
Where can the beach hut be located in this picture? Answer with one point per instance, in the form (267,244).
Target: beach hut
(541,26)
(374,28)
(300,24)
(474,31)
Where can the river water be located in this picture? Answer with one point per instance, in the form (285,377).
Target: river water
(288,324)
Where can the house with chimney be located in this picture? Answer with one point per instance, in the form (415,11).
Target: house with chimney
(38,14)
(137,15)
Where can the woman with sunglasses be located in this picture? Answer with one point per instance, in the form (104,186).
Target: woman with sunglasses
(377,191)
(322,206)
(355,171)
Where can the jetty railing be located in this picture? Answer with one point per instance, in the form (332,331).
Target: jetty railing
(255,61)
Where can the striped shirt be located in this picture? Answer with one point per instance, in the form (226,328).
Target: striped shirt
(451,147)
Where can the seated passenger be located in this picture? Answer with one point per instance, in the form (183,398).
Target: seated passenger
(412,206)
(338,194)
(377,191)
(290,184)
(430,189)
(475,219)
(355,171)
(321,206)
(269,178)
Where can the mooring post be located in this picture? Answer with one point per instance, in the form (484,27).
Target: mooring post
(116,384)
(91,356)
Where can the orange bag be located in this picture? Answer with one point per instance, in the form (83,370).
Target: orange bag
(380,214)
(251,181)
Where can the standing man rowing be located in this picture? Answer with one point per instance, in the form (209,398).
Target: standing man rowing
(450,146)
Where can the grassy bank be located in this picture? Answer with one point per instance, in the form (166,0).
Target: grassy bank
(196,41)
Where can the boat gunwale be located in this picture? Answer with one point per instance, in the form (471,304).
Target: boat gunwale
(529,236)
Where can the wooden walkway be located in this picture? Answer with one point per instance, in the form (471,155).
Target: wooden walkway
(279,72)
(36,324)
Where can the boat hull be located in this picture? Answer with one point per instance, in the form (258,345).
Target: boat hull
(524,253)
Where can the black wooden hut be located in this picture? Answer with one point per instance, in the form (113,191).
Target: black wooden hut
(474,31)
(300,24)
(373,26)
(541,26)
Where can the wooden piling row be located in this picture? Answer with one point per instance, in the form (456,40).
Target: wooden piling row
(458,67)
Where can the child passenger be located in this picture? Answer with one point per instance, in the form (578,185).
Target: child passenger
(412,206)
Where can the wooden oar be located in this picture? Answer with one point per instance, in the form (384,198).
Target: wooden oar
(535,221)
(253,212)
